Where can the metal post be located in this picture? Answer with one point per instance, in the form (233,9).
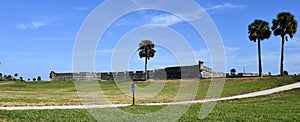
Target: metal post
(132,89)
(133,98)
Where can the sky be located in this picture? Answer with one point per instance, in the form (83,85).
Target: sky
(39,36)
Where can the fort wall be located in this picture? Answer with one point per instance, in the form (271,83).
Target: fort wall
(176,72)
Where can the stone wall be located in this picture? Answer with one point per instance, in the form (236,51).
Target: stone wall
(176,72)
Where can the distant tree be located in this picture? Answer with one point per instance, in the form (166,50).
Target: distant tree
(258,31)
(146,48)
(33,79)
(28,79)
(284,24)
(232,72)
(21,78)
(1,75)
(51,74)
(16,75)
(9,77)
(39,78)
(4,77)
(285,73)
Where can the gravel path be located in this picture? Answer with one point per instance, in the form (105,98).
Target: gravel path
(248,95)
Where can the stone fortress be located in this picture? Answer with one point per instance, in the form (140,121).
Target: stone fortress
(168,73)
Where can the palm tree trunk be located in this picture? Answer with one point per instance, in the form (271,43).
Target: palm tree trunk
(146,74)
(259,59)
(282,55)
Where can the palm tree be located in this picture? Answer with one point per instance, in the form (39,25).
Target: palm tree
(232,72)
(147,51)
(284,24)
(258,31)
(16,76)
(21,79)
(39,78)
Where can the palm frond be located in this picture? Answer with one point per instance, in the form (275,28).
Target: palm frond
(285,23)
(259,29)
(146,49)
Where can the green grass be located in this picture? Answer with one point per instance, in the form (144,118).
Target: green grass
(16,93)
(283,106)
(46,115)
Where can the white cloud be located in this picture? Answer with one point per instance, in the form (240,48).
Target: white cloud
(224,6)
(32,25)
(22,26)
(293,44)
(202,54)
(236,59)
(38,24)
(165,19)
(290,62)
(135,2)
(80,8)
(144,4)
(104,51)
(26,54)
(232,49)
(169,19)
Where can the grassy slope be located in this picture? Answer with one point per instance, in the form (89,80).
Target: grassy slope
(283,106)
(64,93)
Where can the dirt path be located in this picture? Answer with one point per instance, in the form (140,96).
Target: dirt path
(248,95)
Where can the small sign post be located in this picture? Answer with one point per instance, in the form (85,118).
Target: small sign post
(132,89)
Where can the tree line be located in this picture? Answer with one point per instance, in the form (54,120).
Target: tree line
(16,78)
(284,25)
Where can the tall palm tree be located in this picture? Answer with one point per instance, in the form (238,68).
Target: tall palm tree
(21,79)
(258,31)
(284,24)
(39,78)
(16,76)
(146,48)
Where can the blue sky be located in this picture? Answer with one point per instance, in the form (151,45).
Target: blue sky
(39,36)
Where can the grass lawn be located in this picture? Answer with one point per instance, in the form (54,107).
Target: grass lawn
(15,93)
(283,106)
(64,93)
